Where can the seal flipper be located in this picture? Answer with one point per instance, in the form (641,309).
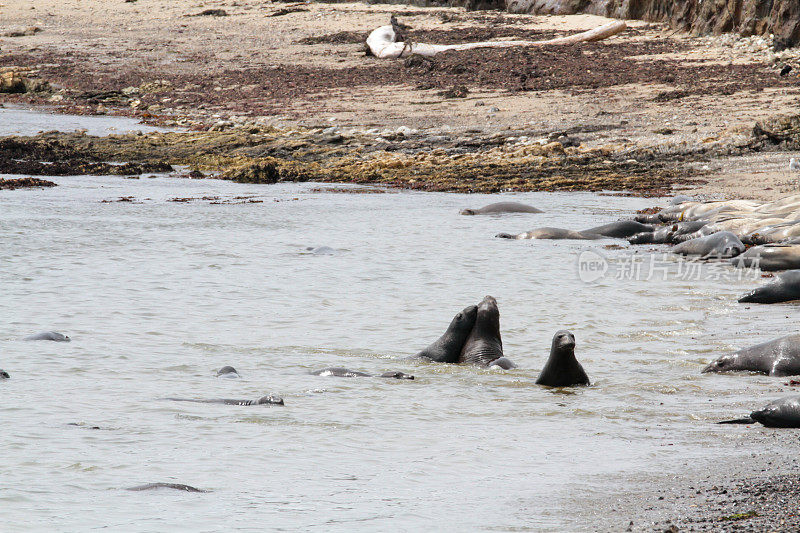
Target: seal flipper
(747,420)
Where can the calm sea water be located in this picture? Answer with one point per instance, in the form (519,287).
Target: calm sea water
(157,295)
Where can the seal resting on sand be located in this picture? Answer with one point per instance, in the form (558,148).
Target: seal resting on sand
(340,372)
(722,244)
(784,288)
(770,257)
(47,336)
(484,346)
(781,413)
(562,368)
(618,230)
(176,486)
(778,357)
(502,207)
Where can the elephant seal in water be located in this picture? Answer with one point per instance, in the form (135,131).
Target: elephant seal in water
(484,346)
(786,287)
(176,486)
(500,208)
(782,413)
(47,336)
(717,245)
(617,230)
(340,372)
(778,357)
(264,400)
(4,374)
(770,257)
(562,369)
(447,348)
(227,372)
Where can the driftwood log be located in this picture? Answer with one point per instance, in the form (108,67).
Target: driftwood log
(383,45)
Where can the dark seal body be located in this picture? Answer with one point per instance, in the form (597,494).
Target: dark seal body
(447,348)
(47,336)
(778,357)
(619,230)
(782,413)
(340,372)
(561,368)
(4,374)
(500,208)
(784,288)
(484,345)
(227,372)
(770,257)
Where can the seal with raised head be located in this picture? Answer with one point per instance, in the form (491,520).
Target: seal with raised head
(781,413)
(447,348)
(784,288)
(717,245)
(227,372)
(561,368)
(778,357)
(264,400)
(501,208)
(47,336)
(484,346)
(340,372)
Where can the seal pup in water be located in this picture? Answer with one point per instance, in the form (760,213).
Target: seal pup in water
(176,486)
(264,400)
(340,372)
(500,208)
(47,336)
(447,348)
(784,288)
(484,347)
(778,357)
(781,413)
(562,369)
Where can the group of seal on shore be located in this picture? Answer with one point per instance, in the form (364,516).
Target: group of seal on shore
(724,230)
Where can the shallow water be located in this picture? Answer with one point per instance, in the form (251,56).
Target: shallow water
(157,295)
(17,120)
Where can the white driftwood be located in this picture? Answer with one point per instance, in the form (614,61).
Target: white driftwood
(382,43)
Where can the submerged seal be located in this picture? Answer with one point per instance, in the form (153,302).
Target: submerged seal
(781,413)
(484,346)
(447,348)
(562,369)
(784,288)
(227,372)
(502,207)
(264,400)
(340,372)
(549,233)
(778,357)
(717,245)
(4,374)
(47,336)
(176,486)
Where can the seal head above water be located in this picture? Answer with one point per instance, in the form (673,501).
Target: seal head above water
(562,369)
(484,345)
(47,336)
(447,348)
